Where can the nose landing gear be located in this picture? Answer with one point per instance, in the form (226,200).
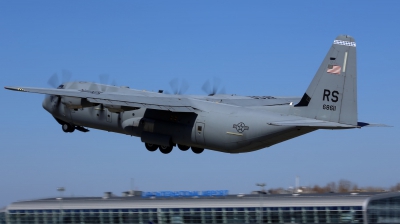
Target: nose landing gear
(68,128)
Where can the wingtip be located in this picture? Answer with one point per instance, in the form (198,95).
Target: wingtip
(14,88)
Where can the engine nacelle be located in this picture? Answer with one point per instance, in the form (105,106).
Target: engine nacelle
(76,102)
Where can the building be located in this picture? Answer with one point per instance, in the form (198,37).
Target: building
(185,208)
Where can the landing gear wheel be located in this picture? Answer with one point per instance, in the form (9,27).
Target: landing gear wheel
(151,147)
(183,147)
(165,149)
(197,150)
(67,128)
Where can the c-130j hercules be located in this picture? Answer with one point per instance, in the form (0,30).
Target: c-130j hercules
(225,123)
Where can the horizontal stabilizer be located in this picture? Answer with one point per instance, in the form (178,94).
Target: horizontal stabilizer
(313,123)
(370,125)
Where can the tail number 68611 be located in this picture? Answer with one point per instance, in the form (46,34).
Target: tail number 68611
(329,107)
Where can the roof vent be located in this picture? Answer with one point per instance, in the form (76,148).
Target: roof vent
(107,194)
(126,194)
(131,193)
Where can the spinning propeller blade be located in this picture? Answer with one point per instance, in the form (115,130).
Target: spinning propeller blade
(178,87)
(214,88)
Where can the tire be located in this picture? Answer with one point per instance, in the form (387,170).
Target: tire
(197,150)
(183,147)
(67,128)
(165,149)
(151,147)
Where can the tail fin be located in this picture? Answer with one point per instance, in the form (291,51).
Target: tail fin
(332,94)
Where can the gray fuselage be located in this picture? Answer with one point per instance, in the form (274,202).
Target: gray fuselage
(215,125)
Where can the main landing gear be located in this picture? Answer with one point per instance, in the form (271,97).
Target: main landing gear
(151,147)
(167,149)
(183,147)
(197,150)
(163,148)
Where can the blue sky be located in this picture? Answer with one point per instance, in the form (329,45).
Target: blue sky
(255,48)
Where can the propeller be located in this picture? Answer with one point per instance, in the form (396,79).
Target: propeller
(54,81)
(178,87)
(104,80)
(213,88)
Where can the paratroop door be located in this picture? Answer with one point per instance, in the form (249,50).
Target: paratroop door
(200,133)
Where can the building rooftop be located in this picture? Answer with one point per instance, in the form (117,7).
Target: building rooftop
(239,200)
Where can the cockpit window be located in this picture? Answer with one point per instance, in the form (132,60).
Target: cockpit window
(60,87)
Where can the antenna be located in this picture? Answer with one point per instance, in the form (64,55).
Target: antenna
(262,191)
(61,190)
(132,192)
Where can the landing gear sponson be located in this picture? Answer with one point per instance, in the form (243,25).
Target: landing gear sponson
(167,149)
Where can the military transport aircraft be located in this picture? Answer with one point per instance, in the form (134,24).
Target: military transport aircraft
(221,122)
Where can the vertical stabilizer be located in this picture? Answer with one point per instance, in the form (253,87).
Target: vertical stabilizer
(332,94)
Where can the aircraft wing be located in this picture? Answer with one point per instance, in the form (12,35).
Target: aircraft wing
(159,102)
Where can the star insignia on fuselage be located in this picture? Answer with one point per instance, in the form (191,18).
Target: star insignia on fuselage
(241,127)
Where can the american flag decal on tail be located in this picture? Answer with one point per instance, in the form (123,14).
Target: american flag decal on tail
(334,69)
